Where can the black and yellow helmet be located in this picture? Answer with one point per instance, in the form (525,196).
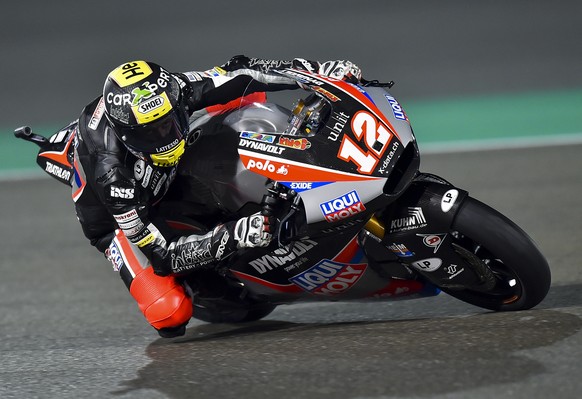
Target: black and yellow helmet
(144,105)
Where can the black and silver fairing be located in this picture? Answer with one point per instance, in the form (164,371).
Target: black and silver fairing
(211,165)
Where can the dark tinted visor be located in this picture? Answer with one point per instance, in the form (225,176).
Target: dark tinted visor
(154,137)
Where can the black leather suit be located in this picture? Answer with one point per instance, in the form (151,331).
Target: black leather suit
(115,189)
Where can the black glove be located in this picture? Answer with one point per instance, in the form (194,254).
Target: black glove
(343,70)
(193,252)
(254,231)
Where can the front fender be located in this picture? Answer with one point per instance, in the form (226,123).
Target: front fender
(418,226)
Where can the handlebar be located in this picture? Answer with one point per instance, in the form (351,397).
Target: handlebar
(376,83)
(26,133)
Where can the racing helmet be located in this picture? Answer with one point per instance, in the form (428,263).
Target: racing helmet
(145,107)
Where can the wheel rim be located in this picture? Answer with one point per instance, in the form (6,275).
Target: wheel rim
(507,287)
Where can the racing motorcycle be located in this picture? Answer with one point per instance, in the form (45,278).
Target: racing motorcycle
(357,219)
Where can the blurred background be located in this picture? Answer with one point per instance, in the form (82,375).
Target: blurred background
(464,70)
(471,74)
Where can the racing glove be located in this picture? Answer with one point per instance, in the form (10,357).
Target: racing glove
(253,231)
(195,252)
(343,70)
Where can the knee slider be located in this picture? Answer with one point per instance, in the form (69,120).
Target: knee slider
(163,301)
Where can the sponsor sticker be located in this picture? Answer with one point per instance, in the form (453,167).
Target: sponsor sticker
(396,108)
(193,76)
(453,270)
(414,220)
(149,109)
(427,265)
(296,144)
(328,277)
(433,240)
(304,185)
(130,73)
(114,255)
(267,166)
(97,115)
(265,138)
(448,200)
(282,256)
(342,207)
(57,171)
(121,192)
(401,250)
(265,147)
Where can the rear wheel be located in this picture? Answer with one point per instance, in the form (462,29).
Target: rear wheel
(216,299)
(515,274)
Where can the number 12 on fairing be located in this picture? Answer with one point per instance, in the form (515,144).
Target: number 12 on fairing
(376,136)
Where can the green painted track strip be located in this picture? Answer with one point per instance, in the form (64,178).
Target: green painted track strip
(532,115)
(463,123)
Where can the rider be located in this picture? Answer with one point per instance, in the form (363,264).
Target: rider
(127,146)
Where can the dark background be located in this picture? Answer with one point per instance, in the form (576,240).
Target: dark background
(55,55)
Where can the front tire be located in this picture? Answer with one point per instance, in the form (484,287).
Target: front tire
(522,274)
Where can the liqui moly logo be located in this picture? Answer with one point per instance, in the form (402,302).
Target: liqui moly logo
(342,207)
(396,108)
(329,278)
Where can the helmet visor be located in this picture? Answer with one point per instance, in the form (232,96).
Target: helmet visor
(154,137)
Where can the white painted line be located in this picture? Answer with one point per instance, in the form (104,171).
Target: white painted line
(499,144)
(425,149)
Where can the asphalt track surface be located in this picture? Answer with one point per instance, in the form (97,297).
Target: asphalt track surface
(69,329)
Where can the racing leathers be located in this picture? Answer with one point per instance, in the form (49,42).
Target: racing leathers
(114,189)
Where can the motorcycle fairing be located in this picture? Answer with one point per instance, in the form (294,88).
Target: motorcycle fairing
(55,157)
(332,266)
(418,231)
(346,276)
(365,145)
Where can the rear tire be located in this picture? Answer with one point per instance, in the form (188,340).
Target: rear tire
(522,273)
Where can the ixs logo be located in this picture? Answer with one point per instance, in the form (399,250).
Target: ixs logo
(120,192)
(342,207)
(328,277)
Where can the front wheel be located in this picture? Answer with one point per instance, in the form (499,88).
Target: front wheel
(519,273)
